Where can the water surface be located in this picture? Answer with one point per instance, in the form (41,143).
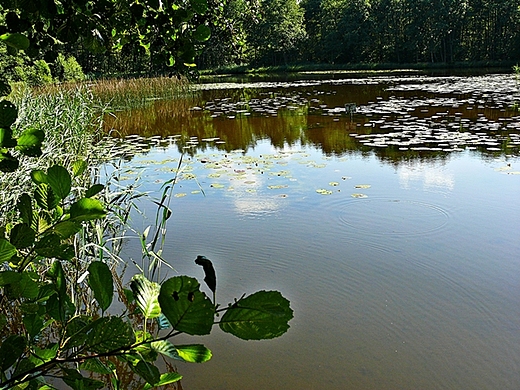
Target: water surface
(399,255)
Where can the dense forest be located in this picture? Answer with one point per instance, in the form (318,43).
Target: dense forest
(284,32)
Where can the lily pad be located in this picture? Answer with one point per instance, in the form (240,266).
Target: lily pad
(217,185)
(323,191)
(333,183)
(356,195)
(363,186)
(180,195)
(277,186)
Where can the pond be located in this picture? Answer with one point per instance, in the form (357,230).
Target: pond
(393,228)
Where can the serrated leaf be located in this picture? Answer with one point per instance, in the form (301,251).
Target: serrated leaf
(94,190)
(165,379)
(60,181)
(15,40)
(22,236)
(146,294)
(262,315)
(7,250)
(101,282)
(109,334)
(185,306)
(87,209)
(8,113)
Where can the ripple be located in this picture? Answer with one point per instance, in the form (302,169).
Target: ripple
(386,216)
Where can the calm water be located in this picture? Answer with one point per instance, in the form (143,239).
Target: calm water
(394,232)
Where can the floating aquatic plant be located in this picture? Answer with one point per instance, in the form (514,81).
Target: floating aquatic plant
(357,195)
(364,186)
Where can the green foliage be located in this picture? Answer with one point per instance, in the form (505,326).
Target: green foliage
(67,69)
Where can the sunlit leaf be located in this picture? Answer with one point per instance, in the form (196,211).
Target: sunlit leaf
(101,282)
(79,167)
(45,197)
(60,181)
(16,40)
(30,142)
(146,294)
(66,229)
(165,379)
(262,315)
(185,306)
(87,209)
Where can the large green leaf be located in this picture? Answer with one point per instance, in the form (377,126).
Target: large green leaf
(77,381)
(10,350)
(50,246)
(87,209)
(101,282)
(16,40)
(76,331)
(185,306)
(66,229)
(94,190)
(193,353)
(6,138)
(8,277)
(60,181)
(45,197)
(8,113)
(96,365)
(25,209)
(165,379)
(147,371)
(202,33)
(30,142)
(22,236)
(79,167)
(262,315)
(109,334)
(33,323)
(146,294)
(7,250)
(199,6)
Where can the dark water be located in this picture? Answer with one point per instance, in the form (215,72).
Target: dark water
(394,232)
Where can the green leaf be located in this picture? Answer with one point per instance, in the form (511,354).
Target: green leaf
(194,353)
(262,315)
(78,382)
(11,350)
(38,176)
(147,371)
(60,181)
(25,209)
(8,114)
(79,167)
(97,366)
(76,331)
(30,142)
(101,282)
(7,250)
(94,190)
(45,354)
(109,334)
(146,294)
(22,236)
(6,138)
(50,246)
(202,33)
(8,163)
(165,379)
(3,321)
(26,287)
(5,88)
(185,306)
(66,229)
(33,324)
(15,40)
(199,6)
(8,277)
(45,197)
(87,209)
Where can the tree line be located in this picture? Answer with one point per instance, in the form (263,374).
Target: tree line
(281,32)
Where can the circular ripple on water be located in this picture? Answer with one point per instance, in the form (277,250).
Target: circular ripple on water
(385,216)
